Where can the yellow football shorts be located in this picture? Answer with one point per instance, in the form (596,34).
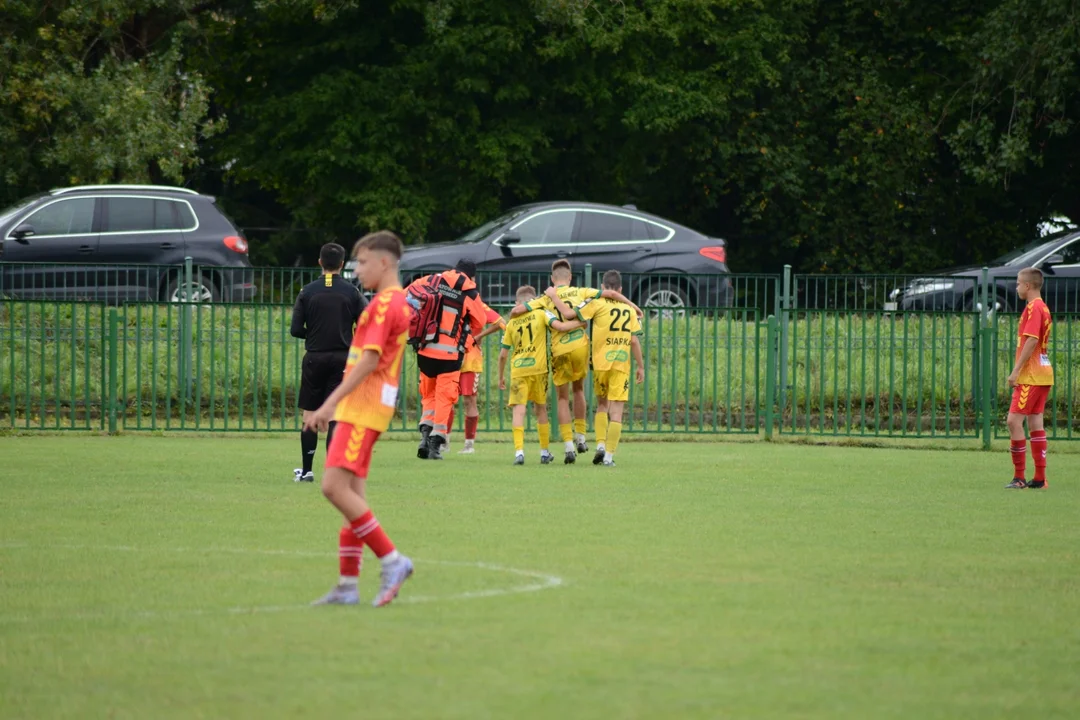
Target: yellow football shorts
(612,385)
(570,367)
(532,388)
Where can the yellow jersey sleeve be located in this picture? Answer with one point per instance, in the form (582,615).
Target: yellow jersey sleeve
(587,309)
(540,303)
(584,294)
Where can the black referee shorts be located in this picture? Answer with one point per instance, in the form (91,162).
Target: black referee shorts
(321,373)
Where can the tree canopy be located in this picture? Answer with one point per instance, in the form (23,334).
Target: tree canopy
(837,136)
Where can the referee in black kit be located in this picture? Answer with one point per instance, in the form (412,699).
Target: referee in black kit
(324,316)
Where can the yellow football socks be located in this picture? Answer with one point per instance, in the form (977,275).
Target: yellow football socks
(566,432)
(519,439)
(601,426)
(544,430)
(613,433)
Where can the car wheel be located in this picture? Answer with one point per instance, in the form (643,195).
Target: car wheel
(663,298)
(203,290)
(999,303)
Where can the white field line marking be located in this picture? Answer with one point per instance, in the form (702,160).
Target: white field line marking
(544,581)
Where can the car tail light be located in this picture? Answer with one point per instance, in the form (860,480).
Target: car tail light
(236,243)
(717,253)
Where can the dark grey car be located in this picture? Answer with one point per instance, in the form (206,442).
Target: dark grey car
(120,243)
(959,289)
(663,263)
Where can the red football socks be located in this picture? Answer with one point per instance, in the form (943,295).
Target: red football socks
(1038,453)
(471,421)
(1019,458)
(368,531)
(350,553)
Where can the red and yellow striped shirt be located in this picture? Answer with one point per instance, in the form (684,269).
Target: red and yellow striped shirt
(474,356)
(384,328)
(1035,322)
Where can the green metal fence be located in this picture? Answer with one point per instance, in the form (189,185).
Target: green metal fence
(767,293)
(234,367)
(881,374)
(781,368)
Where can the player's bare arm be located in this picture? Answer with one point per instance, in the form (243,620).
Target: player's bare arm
(639,360)
(503,354)
(566,325)
(320,419)
(564,310)
(1030,343)
(619,297)
(518,310)
(491,328)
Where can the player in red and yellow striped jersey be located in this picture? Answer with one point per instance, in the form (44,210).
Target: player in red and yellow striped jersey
(471,367)
(362,405)
(1032,377)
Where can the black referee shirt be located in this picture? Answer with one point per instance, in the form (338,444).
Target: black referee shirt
(325,312)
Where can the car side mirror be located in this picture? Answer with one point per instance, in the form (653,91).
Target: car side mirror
(22,232)
(1055,259)
(510,237)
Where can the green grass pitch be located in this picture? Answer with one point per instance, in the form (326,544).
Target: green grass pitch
(169,577)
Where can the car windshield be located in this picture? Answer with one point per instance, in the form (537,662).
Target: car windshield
(479,233)
(7,212)
(1033,251)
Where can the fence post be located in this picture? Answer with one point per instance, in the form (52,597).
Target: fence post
(114,323)
(771,340)
(185,341)
(986,335)
(588,274)
(986,360)
(785,307)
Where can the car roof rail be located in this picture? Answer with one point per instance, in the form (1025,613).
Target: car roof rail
(630,206)
(77,188)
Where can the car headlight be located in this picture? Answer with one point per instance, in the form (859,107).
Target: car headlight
(929,286)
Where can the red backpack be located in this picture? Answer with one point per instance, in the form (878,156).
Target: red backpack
(427,298)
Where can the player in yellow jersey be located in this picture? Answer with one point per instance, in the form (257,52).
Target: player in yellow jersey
(525,344)
(615,328)
(569,352)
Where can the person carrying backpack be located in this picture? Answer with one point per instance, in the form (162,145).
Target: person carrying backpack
(447,307)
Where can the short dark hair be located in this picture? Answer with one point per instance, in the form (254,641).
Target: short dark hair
(612,280)
(1032,276)
(466,267)
(561,264)
(332,256)
(382,240)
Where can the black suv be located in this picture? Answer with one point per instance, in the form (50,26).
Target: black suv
(663,264)
(120,243)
